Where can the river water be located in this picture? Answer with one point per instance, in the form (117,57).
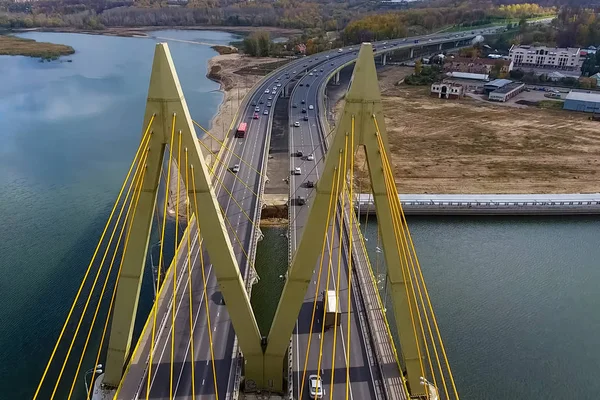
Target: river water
(517,299)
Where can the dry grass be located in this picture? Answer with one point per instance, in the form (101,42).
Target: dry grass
(466,146)
(15,46)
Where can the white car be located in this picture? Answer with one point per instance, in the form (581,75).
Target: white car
(315,385)
(311,74)
(310,107)
(266,112)
(310,157)
(236,168)
(297,171)
(267,91)
(297,124)
(279,85)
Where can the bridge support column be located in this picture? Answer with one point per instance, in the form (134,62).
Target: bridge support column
(440,47)
(412,53)
(384,59)
(363,102)
(167,104)
(336,79)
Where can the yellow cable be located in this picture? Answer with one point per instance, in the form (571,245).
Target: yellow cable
(312,320)
(404,277)
(91,291)
(175,269)
(37,391)
(227,148)
(160,260)
(339,271)
(108,314)
(404,252)
(336,177)
(138,181)
(189,264)
(234,175)
(418,268)
(212,355)
(351,207)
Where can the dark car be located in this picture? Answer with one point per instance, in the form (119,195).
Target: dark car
(300,200)
(306,117)
(304,110)
(309,184)
(262,102)
(307,85)
(303,101)
(299,153)
(301,84)
(253,103)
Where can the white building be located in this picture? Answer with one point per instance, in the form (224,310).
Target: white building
(545,57)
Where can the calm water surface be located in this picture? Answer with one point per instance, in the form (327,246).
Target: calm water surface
(69,131)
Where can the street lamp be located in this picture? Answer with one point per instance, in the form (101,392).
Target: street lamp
(431,389)
(96,370)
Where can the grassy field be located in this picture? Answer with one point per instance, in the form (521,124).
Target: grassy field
(15,46)
(469,146)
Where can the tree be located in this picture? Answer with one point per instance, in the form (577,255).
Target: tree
(418,67)
(517,74)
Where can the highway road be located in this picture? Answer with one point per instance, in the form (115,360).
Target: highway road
(253,150)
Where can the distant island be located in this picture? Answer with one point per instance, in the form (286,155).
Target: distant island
(16,46)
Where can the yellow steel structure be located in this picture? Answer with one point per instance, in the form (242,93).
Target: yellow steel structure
(363,103)
(165,100)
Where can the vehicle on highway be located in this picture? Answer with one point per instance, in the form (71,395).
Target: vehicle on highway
(297,171)
(236,168)
(255,116)
(301,84)
(307,85)
(269,104)
(301,200)
(315,385)
(299,153)
(294,72)
(253,103)
(297,124)
(310,157)
(309,184)
(321,69)
(311,107)
(267,91)
(266,112)
(416,41)
(306,117)
(270,98)
(241,130)
(304,111)
(279,85)
(257,109)
(295,105)
(332,309)
(314,70)
(262,101)
(303,101)
(332,64)
(311,74)
(340,50)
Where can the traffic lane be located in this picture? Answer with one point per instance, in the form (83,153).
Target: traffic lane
(360,374)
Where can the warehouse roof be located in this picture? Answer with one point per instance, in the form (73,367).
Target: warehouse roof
(581,96)
(498,83)
(508,88)
(468,75)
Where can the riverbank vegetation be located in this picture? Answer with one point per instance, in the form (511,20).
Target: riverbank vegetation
(15,46)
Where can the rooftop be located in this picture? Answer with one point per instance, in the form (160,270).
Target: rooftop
(582,96)
(552,49)
(498,82)
(509,87)
(486,61)
(468,75)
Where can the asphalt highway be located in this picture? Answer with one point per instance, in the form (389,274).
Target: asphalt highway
(235,193)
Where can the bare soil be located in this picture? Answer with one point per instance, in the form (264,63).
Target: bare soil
(468,146)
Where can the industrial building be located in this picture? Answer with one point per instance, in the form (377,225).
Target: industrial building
(582,101)
(470,82)
(495,85)
(446,90)
(506,92)
(566,58)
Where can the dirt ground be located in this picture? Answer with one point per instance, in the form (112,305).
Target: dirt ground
(469,146)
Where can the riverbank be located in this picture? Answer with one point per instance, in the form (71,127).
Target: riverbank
(16,46)
(237,74)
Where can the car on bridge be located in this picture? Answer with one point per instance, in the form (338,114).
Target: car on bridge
(297,171)
(295,105)
(297,124)
(236,168)
(311,107)
(304,111)
(306,117)
(255,116)
(315,385)
(269,104)
(301,200)
(309,184)
(299,153)
(266,112)
(310,157)
(267,91)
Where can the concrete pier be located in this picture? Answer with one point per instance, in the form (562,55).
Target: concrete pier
(490,204)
